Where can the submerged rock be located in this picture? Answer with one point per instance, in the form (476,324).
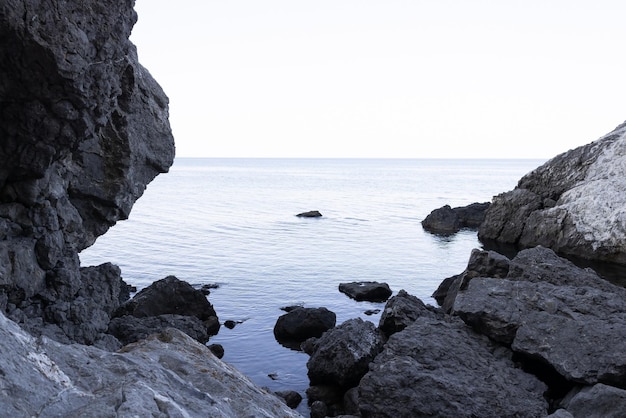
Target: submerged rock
(310,214)
(573,204)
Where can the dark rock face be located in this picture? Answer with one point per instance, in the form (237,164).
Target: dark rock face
(342,355)
(597,401)
(166,303)
(168,296)
(443,368)
(571,204)
(83,129)
(366,291)
(129,329)
(401,311)
(447,220)
(302,323)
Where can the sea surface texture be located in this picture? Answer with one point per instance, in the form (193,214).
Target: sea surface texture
(232,222)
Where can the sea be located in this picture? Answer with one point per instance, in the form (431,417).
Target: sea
(232,223)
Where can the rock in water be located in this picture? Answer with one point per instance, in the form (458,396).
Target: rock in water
(366,291)
(310,214)
(302,323)
(573,204)
(84,128)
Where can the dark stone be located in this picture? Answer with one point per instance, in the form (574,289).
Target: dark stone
(550,310)
(290,308)
(599,400)
(168,296)
(217,350)
(366,291)
(319,410)
(442,368)
(447,220)
(303,323)
(371,312)
(129,329)
(342,355)
(230,324)
(400,311)
(290,397)
(310,214)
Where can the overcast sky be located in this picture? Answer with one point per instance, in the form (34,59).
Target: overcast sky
(386,78)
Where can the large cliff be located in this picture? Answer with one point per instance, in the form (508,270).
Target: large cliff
(83,129)
(575,204)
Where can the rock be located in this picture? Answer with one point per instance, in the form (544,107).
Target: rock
(291,398)
(442,368)
(443,221)
(319,410)
(129,329)
(481,264)
(572,204)
(168,296)
(447,220)
(371,312)
(342,355)
(291,307)
(310,214)
(579,331)
(366,291)
(217,350)
(230,324)
(167,374)
(597,401)
(331,396)
(84,129)
(303,323)
(400,311)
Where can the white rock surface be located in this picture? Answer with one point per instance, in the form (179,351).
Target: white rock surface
(166,375)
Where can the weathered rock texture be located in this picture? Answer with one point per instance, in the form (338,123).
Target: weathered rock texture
(574,204)
(447,220)
(83,129)
(442,368)
(166,375)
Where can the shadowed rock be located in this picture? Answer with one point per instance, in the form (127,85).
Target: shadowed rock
(366,291)
(447,220)
(310,214)
(302,323)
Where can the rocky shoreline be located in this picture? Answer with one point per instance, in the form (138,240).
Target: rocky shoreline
(84,128)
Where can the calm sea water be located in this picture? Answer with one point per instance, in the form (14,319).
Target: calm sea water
(232,222)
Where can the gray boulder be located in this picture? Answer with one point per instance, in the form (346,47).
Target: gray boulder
(400,311)
(303,323)
(579,330)
(597,401)
(572,204)
(342,355)
(366,291)
(168,374)
(443,368)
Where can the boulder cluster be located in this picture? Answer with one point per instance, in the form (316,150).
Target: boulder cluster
(527,337)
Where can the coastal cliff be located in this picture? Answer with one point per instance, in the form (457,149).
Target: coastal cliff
(573,204)
(83,129)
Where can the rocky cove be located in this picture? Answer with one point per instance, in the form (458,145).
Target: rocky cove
(84,130)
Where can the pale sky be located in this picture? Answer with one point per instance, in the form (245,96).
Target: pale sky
(386,78)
